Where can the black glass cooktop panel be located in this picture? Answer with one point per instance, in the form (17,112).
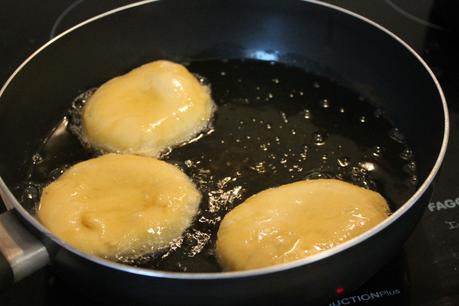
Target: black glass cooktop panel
(426,272)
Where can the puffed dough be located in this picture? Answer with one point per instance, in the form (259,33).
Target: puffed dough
(119,205)
(149,109)
(294,221)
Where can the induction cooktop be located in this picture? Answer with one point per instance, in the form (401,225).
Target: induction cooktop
(425,273)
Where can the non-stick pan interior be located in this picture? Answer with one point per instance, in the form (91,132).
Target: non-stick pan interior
(274,124)
(313,37)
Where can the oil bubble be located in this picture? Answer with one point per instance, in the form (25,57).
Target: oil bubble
(343,161)
(259,168)
(377,151)
(55,173)
(74,118)
(211,221)
(284,117)
(406,154)
(319,138)
(368,166)
(223,199)
(37,159)
(413,180)
(410,167)
(304,154)
(317,174)
(359,176)
(31,192)
(396,135)
(196,242)
(324,103)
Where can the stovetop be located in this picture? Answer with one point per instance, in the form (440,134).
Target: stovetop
(426,272)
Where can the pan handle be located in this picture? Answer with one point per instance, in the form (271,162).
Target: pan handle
(21,253)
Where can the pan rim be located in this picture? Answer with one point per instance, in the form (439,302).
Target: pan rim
(14,203)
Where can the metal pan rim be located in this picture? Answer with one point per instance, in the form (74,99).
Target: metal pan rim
(12,202)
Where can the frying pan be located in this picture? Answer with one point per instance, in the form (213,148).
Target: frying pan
(333,41)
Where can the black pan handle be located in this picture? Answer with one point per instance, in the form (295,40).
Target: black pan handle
(21,253)
(6,274)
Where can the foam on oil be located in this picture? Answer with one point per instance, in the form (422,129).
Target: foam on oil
(275,124)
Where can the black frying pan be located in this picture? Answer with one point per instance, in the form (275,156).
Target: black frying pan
(306,34)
